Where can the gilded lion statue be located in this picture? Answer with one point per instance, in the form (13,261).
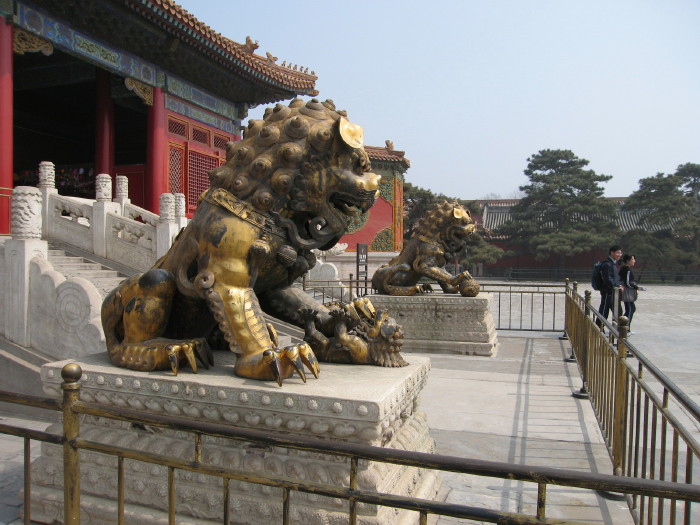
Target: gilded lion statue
(289,187)
(439,235)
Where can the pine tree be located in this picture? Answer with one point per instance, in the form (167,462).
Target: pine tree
(668,210)
(563,211)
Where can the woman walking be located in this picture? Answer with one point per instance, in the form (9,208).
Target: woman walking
(630,288)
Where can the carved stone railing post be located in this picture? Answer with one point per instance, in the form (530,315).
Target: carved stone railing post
(167,227)
(180,211)
(24,245)
(122,192)
(103,205)
(47,186)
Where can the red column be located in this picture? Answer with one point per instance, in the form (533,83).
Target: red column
(104,147)
(156,181)
(6,123)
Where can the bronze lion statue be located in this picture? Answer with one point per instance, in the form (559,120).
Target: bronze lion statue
(439,235)
(289,187)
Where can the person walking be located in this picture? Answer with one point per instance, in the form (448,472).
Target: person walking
(610,281)
(630,288)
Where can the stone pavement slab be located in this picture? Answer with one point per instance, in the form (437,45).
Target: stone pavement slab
(517,407)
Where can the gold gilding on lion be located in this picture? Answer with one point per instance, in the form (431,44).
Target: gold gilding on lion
(289,187)
(438,237)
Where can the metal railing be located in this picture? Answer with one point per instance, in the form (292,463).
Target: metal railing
(355,456)
(516,306)
(638,408)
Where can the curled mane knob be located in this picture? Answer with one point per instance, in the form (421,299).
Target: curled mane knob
(261,167)
(263,200)
(297,127)
(279,112)
(240,184)
(243,155)
(314,109)
(290,154)
(321,137)
(268,136)
(282,181)
(254,127)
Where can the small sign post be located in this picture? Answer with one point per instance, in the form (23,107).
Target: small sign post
(361,265)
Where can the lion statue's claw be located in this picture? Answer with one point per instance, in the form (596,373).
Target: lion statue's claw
(272,361)
(296,356)
(191,351)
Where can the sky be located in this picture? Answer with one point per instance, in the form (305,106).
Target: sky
(470,89)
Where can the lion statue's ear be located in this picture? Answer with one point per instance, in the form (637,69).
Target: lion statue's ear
(460,213)
(352,134)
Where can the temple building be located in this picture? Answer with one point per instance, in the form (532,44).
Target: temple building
(126,87)
(381,228)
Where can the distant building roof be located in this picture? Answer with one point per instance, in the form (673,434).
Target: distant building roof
(496,212)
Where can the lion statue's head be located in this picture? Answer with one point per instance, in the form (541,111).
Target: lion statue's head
(447,223)
(305,165)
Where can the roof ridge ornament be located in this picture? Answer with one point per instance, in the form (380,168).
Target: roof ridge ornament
(250,45)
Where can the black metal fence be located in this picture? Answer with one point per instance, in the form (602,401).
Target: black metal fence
(515,306)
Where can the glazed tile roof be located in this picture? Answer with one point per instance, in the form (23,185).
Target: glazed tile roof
(239,57)
(495,213)
(387,154)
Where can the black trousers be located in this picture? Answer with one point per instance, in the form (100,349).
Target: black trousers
(630,308)
(606,303)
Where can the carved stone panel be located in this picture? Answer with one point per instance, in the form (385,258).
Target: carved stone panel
(443,323)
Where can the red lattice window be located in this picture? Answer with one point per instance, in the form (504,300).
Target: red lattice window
(220,142)
(200,135)
(177,127)
(176,168)
(198,181)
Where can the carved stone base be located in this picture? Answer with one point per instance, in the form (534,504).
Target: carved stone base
(359,404)
(443,323)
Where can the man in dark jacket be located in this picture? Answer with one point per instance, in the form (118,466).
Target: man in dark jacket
(611,280)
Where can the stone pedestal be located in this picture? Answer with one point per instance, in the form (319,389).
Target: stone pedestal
(358,404)
(443,323)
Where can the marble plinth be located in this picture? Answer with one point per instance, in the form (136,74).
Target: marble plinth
(443,323)
(358,404)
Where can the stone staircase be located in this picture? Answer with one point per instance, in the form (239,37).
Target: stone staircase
(105,279)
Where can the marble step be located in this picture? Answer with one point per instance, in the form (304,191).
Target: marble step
(103,278)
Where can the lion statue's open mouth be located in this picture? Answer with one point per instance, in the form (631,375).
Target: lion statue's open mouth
(353,204)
